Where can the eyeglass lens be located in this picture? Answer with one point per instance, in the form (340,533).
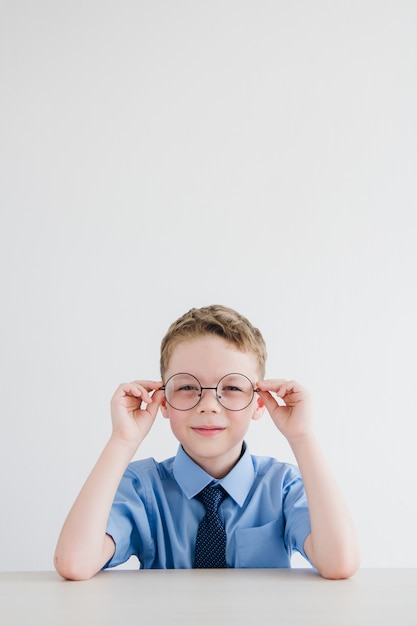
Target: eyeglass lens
(184,391)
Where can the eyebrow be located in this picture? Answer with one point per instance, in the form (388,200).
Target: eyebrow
(231,374)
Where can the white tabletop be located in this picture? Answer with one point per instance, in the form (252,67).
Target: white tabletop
(380,597)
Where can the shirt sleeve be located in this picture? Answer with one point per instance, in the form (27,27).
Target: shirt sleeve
(296,513)
(128,514)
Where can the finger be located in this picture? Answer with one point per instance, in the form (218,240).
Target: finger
(292,393)
(148,389)
(140,389)
(268,400)
(153,407)
(281,387)
(271,385)
(150,384)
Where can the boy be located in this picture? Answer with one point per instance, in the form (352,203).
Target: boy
(212,368)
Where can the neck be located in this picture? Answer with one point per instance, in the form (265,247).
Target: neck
(219,467)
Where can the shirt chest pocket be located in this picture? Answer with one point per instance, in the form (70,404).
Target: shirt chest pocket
(262,546)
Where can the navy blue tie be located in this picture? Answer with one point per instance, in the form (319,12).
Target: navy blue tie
(210,546)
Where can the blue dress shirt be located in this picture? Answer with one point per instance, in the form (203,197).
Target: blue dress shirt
(155,515)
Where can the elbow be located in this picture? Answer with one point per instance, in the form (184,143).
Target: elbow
(336,560)
(341,572)
(71,569)
(341,568)
(78,563)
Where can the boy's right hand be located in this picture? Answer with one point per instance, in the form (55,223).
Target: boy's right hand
(132,421)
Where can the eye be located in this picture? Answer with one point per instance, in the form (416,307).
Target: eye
(231,388)
(188,388)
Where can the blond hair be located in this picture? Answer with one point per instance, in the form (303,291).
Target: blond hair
(215,320)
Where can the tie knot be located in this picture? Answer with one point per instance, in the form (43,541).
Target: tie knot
(212,496)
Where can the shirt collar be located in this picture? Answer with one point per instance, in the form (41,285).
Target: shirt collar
(192,478)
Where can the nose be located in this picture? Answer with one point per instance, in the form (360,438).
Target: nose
(209,401)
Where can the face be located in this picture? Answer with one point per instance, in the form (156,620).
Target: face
(210,434)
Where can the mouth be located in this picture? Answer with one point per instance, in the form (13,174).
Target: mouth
(208,431)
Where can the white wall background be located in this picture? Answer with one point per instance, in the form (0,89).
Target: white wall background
(157,155)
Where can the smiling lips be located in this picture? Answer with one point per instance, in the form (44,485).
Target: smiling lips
(208,431)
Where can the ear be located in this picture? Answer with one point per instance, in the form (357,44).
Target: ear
(259,409)
(164,408)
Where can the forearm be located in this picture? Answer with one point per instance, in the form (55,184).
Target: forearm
(83,546)
(333,544)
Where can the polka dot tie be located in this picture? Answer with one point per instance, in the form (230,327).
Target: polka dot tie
(210,546)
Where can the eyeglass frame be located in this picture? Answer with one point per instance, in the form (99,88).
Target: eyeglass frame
(200,395)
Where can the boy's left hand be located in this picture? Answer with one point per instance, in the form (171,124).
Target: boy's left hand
(294,419)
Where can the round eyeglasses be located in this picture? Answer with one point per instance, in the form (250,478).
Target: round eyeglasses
(234,391)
